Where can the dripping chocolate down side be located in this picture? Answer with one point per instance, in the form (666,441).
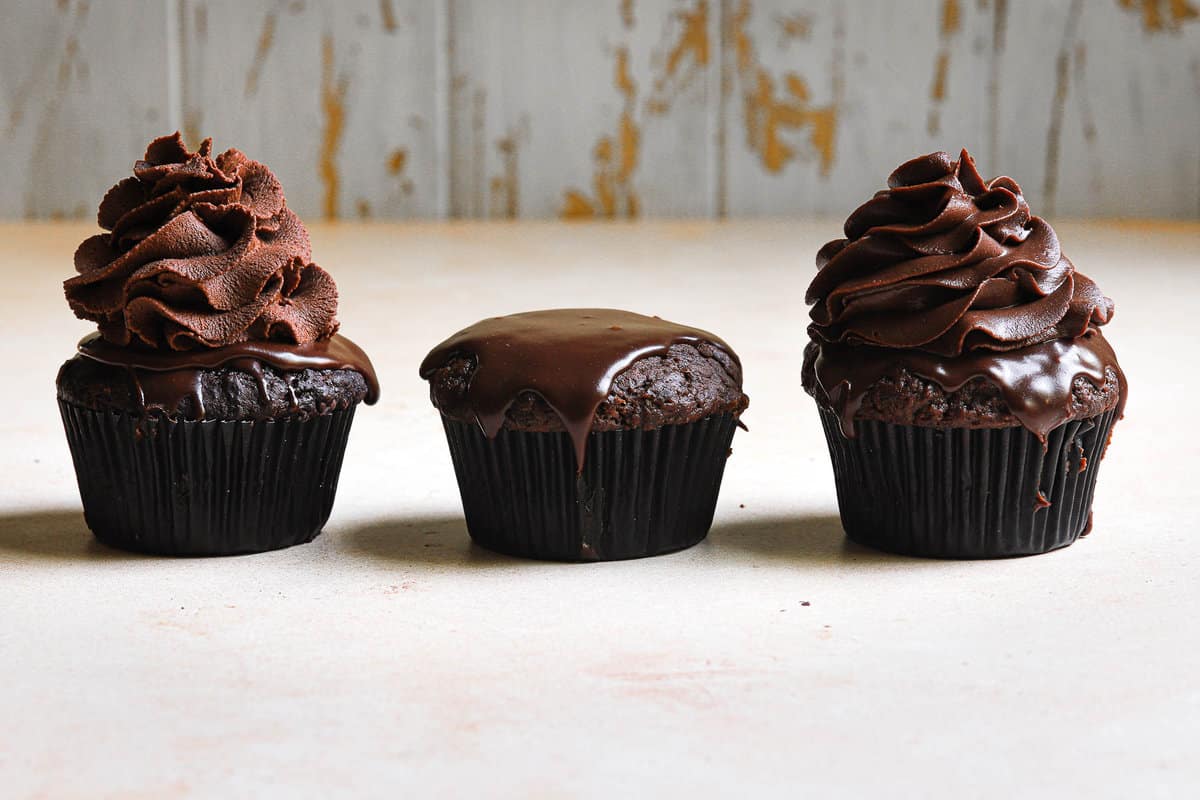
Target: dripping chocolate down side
(1036,382)
(568,358)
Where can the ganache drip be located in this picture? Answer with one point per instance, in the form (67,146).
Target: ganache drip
(569,357)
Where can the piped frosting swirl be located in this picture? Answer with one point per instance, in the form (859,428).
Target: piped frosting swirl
(200,252)
(944,262)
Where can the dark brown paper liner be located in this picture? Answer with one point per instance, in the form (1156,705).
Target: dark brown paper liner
(641,493)
(965,493)
(205,488)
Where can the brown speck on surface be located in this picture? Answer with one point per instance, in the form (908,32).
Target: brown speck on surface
(615,328)
(333,109)
(363,207)
(805,603)
(627,13)
(397,160)
(1040,501)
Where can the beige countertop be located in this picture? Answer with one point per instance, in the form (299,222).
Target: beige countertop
(392,657)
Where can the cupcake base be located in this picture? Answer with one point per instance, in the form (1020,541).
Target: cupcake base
(965,493)
(641,493)
(205,488)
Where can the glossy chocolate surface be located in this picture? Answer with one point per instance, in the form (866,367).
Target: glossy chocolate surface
(569,357)
(1036,381)
(164,378)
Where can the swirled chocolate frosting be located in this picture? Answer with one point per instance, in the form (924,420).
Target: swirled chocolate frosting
(952,278)
(200,252)
(945,262)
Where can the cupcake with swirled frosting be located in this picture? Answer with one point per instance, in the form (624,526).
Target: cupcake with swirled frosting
(966,390)
(209,412)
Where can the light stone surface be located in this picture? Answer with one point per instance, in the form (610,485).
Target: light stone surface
(391,657)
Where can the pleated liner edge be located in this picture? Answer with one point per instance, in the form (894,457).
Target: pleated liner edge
(214,487)
(641,493)
(966,493)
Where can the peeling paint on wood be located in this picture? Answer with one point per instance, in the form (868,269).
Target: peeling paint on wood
(767,114)
(1162,15)
(1054,131)
(616,158)
(333,109)
(611,109)
(265,39)
(388,15)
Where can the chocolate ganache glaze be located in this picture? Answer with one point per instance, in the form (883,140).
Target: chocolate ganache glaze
(951,278)
(569,357)
(204,266)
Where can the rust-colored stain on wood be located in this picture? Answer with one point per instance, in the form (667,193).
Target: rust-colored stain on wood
(1085,103)
(1062,78)
(333,112)
(768,115)
(949,23)
(505,188)
(396,161)
(388,15)
(266,38)
(690,48)
(1162,15)
(627,14)
(792,27)
(615,158)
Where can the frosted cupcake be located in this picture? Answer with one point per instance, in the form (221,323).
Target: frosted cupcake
(965,388)
(210,412)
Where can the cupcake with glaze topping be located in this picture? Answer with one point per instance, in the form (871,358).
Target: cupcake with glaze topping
(956,357)
(586,434)
(209,413)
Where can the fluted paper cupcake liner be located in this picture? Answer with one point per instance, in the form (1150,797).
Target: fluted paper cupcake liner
(205,488)
(965,493)
(641,493)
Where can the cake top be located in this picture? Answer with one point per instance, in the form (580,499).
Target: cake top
(945,262)
(200,252)
(569,358)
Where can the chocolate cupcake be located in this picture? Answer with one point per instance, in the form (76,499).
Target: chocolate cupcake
(586,434)
(965,388)
(210,412)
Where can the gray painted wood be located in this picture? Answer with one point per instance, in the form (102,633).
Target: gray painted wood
(82,89)
(340,98)
(1090,108)
(583,109)
(615,108)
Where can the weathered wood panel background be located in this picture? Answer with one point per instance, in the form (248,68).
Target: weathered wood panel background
(607,108)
